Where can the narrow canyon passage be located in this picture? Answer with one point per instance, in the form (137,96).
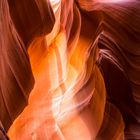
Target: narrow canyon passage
(69,69)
